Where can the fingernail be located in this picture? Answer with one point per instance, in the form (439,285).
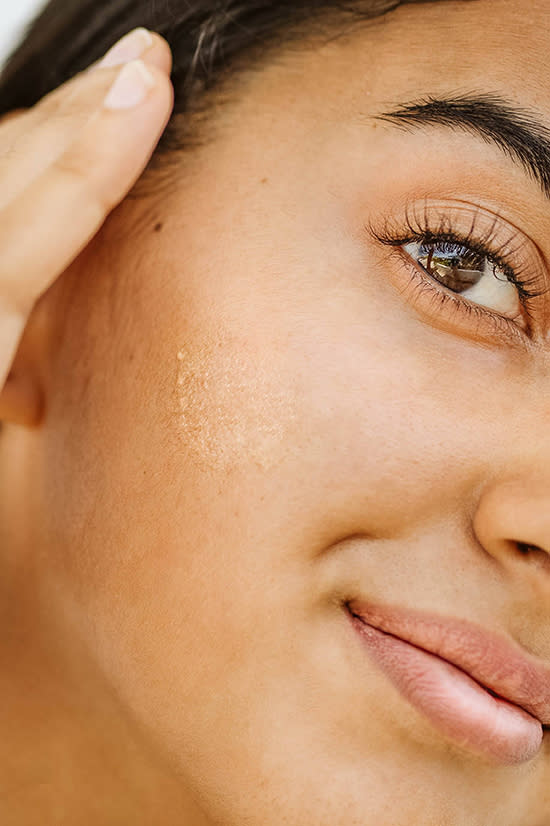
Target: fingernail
(131,46)
(131,86)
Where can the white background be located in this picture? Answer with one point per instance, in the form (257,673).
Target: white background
(14,14)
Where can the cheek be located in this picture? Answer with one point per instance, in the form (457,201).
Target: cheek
(312,440)
(337,415)
(231,457)
(235,406)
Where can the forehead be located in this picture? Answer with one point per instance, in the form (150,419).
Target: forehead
(505,42)
(306,96)
(442,47)
(473,43)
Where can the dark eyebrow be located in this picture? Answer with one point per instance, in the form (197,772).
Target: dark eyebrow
(519,133)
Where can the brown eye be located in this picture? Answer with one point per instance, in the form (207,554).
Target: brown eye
(467,273)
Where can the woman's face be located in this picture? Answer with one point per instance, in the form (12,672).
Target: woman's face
(262,405)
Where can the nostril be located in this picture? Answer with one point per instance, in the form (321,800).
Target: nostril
(512,523)
(526,549)
(533,553)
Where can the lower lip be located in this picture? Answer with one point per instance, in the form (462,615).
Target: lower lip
(454,703)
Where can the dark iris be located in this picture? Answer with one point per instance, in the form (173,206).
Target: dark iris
(456,267)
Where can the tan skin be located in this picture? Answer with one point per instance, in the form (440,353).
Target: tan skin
(232,412)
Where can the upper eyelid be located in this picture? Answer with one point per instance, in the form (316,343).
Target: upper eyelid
(471,224)
(481,226)
(448,223)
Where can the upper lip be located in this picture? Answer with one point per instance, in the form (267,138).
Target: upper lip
(491,659)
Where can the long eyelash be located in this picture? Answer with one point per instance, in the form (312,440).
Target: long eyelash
(420,228)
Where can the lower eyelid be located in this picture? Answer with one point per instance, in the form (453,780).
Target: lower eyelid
(473,316)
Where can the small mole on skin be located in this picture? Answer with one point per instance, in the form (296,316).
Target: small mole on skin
(264,180)
(158,227)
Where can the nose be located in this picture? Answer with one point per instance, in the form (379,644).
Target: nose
(513,519)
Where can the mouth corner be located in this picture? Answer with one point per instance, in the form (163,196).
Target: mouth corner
(496,664)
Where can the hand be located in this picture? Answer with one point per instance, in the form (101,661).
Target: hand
(66,163)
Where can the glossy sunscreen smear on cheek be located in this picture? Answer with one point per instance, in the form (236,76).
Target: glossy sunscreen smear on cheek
(235,407)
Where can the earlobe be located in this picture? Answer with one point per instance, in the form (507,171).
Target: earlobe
(22,395)
(21,401)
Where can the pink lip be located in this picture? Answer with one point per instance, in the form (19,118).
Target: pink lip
(444,667)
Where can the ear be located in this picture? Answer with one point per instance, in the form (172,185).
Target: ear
(19,402)
(22,396)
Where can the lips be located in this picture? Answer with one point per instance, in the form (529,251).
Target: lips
(490,659)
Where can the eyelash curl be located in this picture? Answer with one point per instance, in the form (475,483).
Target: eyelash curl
(486,240)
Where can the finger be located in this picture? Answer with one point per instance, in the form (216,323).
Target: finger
(44,229)
(158,54)
(28,145)
(139,43)
(12,325)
